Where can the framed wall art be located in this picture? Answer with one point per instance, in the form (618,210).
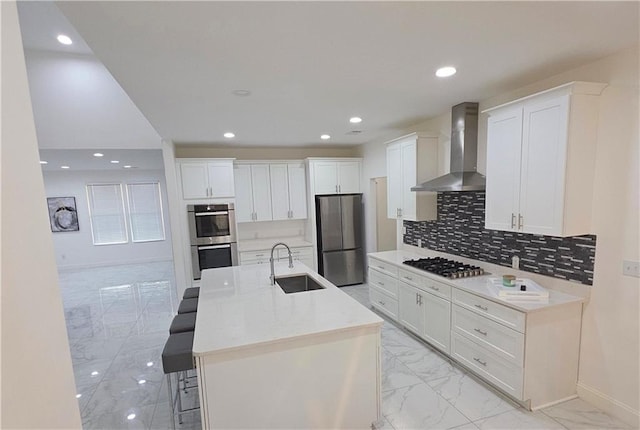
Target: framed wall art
(62,214)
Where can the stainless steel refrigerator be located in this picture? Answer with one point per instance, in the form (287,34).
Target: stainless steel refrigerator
(339,226)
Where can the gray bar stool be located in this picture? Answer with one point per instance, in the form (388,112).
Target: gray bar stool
(191,293)
(177,358)
(183,322)
(188,305)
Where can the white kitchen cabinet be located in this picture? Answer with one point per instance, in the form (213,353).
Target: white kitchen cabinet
(253,192)
(210,178)
(288,191)
(541,161)
(335,176)
(532,355)
(304,254)
(411,160)
(410,309)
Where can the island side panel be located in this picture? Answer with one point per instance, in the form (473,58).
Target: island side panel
(329,380)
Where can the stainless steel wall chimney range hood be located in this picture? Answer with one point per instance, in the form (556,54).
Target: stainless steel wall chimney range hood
(464,154)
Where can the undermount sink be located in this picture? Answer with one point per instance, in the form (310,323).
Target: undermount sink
(297,283)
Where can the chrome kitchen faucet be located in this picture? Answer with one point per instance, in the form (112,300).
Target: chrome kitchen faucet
(273,274)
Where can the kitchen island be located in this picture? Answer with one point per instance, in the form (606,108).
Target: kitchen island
(267,359)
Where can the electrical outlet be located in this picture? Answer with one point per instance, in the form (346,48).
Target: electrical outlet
(419,243)
(515,262)
(631,268)
(404,230)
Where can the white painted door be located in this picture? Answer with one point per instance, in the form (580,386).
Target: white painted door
(325,177)
(279,191)
(221,178)
(410,311)
(297,191)
(504,142)
(544,154)
(261,187)
(437,322)
(409,179)
(348,177)
(394,180)
(195,182)
(244,193)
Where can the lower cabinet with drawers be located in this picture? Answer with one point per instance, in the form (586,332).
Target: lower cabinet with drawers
(303,254)
(531,356)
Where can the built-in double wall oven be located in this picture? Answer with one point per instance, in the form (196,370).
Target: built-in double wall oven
(212,231)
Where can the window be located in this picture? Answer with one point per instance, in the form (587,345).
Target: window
(145,212)
(106,211)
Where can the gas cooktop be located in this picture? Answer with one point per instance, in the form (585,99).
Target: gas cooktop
(447,268)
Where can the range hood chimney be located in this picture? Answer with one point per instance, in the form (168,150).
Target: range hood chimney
(464,154)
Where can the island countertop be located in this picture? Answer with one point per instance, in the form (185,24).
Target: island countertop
(239,308)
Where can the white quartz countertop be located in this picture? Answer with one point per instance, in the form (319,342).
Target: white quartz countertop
(259,244)
(478,285)
(239,308)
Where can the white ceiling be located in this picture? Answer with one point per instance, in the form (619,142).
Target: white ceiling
(312,65)
(83,159)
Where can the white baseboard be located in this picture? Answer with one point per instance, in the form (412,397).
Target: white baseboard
(66,267)
(609,405)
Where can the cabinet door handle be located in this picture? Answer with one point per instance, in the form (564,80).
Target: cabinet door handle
(513,220)
(484,333)
(210,191)
(484,363)
(520,221)
(336,188)
(420,299)
(416,298)
(484,308)
(401,212)
(381,302)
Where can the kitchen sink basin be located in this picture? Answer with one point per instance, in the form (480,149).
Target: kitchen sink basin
(297,284)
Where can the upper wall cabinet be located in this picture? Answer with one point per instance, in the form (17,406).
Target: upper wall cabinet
(334,176)
(206,178)
(288,191)
(411,160)
(541,160)
(253,192)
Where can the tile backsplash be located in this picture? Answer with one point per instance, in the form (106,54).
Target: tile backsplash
(459,230)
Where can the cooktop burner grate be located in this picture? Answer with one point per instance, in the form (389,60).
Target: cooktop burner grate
(447,268)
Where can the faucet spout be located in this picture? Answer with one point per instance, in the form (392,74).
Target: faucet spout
(272,277)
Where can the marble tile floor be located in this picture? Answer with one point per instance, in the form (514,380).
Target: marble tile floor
(118,319)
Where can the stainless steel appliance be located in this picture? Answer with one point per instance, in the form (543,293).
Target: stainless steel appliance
(339,222)
(448,268)
(212,233)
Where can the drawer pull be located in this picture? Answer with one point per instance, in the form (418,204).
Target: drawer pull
(435,288)
(484,363)
(484,333)
(484,308)
(408,278)
(382,303)
(380,283)
(381,267)
(259,255)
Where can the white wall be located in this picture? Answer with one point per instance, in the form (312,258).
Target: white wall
(37,381)
(76,249)
(609,374)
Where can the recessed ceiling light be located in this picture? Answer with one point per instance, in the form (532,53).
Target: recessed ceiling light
(78,396)
(95,373)
(355,120)
(444,72)
(43,162)
(98,154)
(142,381)
(229,135)
(64,39)
(131,416)
(115,161)
(64,167)
(149,363)
(127,166)
(241,93)
(325,137)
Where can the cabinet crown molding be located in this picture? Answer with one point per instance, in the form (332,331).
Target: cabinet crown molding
(238,162)
(570,88)
(415,135)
